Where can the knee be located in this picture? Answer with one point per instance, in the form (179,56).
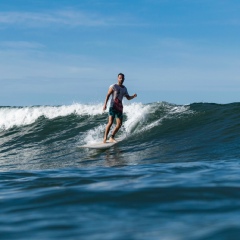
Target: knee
(119,125)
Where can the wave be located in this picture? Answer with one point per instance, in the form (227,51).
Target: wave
(161,130)
(138,117)
(21,116)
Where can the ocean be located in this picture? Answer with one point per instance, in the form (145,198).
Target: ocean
(174,176)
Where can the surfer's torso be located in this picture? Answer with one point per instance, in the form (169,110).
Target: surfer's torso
(117,96)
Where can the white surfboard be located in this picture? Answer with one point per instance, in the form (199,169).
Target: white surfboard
(99,145)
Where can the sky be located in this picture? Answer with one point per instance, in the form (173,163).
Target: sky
(70,51)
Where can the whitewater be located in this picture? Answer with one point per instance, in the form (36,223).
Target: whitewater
(174,176)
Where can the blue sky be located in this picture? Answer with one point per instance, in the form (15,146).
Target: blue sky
(64,51)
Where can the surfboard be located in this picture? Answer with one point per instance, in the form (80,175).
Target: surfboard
(99,145)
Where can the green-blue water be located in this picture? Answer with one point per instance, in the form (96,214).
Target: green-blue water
(174,176)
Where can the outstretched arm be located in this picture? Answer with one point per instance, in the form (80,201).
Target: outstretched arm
(131,97)
(110,91)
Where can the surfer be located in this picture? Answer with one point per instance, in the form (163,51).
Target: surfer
(118,91)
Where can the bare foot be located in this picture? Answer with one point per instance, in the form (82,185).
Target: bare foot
(111,139)
(104,140)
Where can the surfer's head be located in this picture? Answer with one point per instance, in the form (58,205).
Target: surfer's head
(121,74)
(121,78)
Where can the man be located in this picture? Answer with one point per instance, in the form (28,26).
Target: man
(118,91)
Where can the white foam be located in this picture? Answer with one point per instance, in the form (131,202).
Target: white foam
(94,135)
(10,117)
(179,109)
(136,114)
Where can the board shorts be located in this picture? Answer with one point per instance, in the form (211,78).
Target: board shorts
(114,113)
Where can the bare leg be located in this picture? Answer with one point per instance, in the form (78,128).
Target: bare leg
(110,122)
(118,125)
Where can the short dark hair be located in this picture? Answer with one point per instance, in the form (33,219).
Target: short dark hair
(121,75)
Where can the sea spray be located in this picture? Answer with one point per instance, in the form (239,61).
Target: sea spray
(134,114)
(21,116)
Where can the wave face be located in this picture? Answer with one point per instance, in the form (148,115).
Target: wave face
(175,174)
(157,132)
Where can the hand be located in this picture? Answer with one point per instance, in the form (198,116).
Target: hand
(135,95)
(104,107)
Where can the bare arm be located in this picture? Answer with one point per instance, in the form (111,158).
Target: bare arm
(110,91)
(131,97)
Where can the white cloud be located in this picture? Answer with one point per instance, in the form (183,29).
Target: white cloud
(21,45)
(64,17)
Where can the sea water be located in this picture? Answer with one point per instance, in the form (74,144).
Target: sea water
(174,176)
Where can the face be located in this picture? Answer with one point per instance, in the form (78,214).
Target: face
(120,79)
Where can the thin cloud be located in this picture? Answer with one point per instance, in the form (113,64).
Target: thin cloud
(64,18)
(20,45)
